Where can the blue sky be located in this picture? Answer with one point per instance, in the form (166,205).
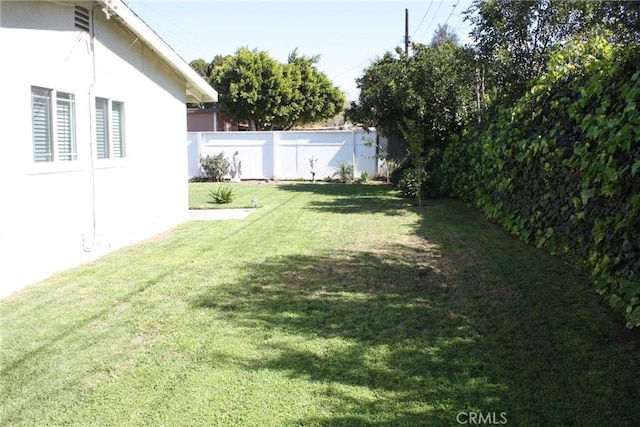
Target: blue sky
(346,34)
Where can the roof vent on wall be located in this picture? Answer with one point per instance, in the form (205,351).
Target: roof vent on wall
(82,18)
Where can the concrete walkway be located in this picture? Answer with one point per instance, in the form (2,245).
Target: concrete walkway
(218,214)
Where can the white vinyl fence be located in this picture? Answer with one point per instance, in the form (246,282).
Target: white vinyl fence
(286,155)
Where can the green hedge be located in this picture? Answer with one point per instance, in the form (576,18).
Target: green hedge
(562,169)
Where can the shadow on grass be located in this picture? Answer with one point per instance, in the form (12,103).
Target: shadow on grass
(378,331)
(473,321)
(352,198)
(337,189)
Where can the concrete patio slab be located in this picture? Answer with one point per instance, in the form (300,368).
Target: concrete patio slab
(218,214)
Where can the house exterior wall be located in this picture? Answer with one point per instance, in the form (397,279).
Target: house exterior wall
(209,121)
(57,215)
(200,122)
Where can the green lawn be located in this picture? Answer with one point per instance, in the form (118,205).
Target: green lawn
(242,195)
(331,305)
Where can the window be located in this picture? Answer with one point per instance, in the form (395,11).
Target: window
(41,115)
(110,139)
(102,128)
(66,126)
(117,124)
(54,131)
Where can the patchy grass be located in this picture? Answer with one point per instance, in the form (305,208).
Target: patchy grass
(331,305)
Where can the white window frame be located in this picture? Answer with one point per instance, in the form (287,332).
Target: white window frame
(54,100)
(110,138)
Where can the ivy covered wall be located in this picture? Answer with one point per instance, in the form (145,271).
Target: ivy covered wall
(561,170)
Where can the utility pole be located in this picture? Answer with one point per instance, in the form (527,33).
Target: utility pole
(406,32)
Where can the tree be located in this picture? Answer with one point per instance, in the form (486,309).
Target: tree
(313,98)
(250,87)
(201,67)
(515,38)
(383,90)
(205,70)
(422,99)
(269,95)
(442,90)
(444,33)
(621,19)
(217,61)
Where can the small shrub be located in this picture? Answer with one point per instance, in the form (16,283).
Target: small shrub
(199,178)
(416,184)
(345,172)
(398,171)
(364,176)
(215,167)
(327,179)
(410,182)
(221,195)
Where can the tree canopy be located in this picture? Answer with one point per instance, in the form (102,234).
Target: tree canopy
(430,94)
(251,86)
(444,33)
(254,87)
(313,96)
(202,67)
(514,39)
(422,99)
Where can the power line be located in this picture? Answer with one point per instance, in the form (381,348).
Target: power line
(369,60)
(462,29)
(422,20)
(179,35)
(454,8)
(432,19)
(351,69)
(461,22)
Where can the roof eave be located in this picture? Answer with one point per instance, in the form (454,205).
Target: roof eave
(197,89)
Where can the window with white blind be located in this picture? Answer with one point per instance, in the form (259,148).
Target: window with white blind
(117,126)
(54,130)
(102,128)
(41,119)
(66,126)
(110,135)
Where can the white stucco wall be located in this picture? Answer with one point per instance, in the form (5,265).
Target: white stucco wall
(285,155)
(48,210)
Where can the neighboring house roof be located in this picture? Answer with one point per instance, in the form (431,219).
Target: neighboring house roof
(198,90)
(204,110)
